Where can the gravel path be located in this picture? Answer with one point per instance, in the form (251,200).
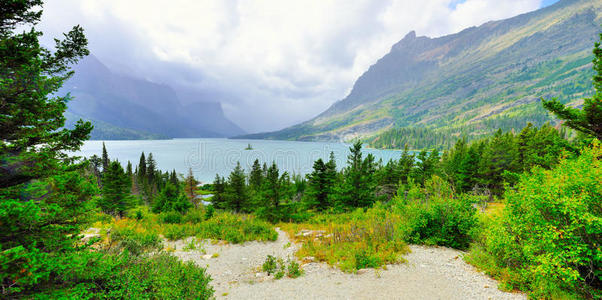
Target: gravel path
(430,273)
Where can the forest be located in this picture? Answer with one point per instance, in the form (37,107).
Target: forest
(525,206)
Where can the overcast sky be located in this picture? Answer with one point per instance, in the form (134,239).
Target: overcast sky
(272,63)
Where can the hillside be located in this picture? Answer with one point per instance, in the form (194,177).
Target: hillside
(123,107)
(472,82)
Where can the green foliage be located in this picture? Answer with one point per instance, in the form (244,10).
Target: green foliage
(547,240)
(358,186)
(293,269)
(320,184)
(170,199)
(101,276)
(171,217)
(269,266)
(589,119)
(437,217)
(352,241)
(135,241)
(236,196)
(116,198)
(412,137)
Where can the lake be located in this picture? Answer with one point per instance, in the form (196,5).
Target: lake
(208,157)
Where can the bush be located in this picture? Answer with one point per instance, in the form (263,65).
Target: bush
(171,217)
(293,270)
(351,241)
(135,241)
(547,239)
(269,266)
(95,275)
(439,218)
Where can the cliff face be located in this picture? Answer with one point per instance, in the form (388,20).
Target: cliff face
(117,101)
(479,79)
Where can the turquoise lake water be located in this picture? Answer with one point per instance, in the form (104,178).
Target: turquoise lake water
(208,157)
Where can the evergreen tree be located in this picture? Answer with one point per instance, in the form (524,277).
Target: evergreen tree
(219,193)
(320,185)
(142,168)
(105,157)
(43,197)
(499,158)
(272,186)
(173,179)
(116,198)
(151,169)
(405,165)
(170,200)
(426,166)
(236,190)
(256,176)
(358,185)
(190,188)
(589,119)
(32,140)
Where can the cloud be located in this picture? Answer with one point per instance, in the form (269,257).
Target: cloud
(272,63)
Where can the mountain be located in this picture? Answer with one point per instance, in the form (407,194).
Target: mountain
(472,82)
(124,107)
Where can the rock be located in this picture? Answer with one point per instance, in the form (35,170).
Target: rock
(206,256)
(361,271)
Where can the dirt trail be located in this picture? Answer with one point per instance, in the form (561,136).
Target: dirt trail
(430,273)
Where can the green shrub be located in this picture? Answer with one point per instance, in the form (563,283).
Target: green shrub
(269,265)
(194,216)
(437,217)
(171,217)
(293,270)
(209,212)
(136,242)
(548,238)
(95,275)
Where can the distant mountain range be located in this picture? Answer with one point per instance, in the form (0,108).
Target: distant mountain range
(472,82)
(124,107)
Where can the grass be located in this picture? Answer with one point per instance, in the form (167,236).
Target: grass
(143,229)
(351,241)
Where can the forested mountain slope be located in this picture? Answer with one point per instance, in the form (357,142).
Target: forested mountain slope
(472,82)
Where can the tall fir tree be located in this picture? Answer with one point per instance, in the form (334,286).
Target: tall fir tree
(272,188)
(219,193)
(256,176)
(116,198)
(105,157)
(236,190)
(358,186)
(43,197)
(190,184)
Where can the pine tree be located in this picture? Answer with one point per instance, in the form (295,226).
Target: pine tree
(589,119)
(151,169)
(142,168)
(105,157)
(43,196)
(219,193)
(358,186)
(116,198)
(500,157)
(272,186)
(318,186)
(256,176)
(405,165)
(190,188)
(236,191)
(170,200)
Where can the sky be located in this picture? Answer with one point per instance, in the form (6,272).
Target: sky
(271,63)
